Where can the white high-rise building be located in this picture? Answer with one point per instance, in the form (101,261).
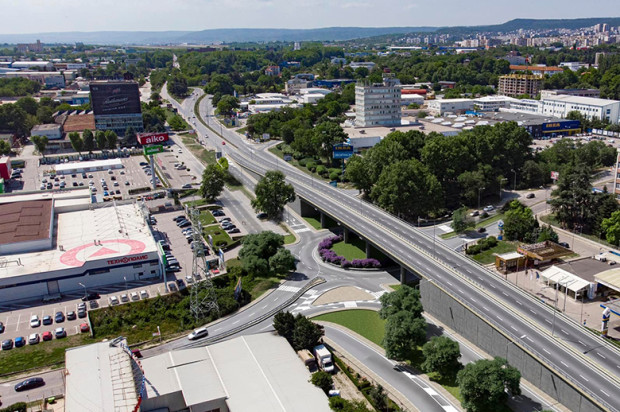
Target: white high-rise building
(378,104)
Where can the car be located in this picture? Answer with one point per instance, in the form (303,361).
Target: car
(7,344)
(488,208)
(135,296)
(223,143)
(530,196)
(228,226)
(118,192)
(474,213)
(564,244)
(144,294)
(94,189)
(60,333)
(113,178)
(83,175)
(29,383)
(35,322)
(180,283)
(82,313)
(42,187)
(71,315)
(102,180)
(49,186)
(144,164)
(81,184)
(172,262)
(81,305)
(122,172)
(226,219)
(126,183)
(44,180)
(90,176)
(56,184)
(136,353)
(74,184)
(59,317)
(47,320)
(181,221)
(198,333)
(234,230)
(113,300)
(180,217)
(185,224)
(173,268)
(47,335)
(186,186)
(1,327)
(124,298)
(180,151)
(33,339)
(218,212)
(105,193)
(481,230)
(261,215)
(90,296)
(110,171)
(20,341)
(84,328)
(189,279)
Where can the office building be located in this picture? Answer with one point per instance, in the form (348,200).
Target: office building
(519,84)
(570,92)
(378,104)
(116,105)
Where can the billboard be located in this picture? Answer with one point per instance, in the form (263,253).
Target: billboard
(151,150)
(343,151)
(561,126)
(555,175)
(150,138)
(115,98)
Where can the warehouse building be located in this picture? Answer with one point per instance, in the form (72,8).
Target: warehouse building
(57,243)
(592,108)
(259,373)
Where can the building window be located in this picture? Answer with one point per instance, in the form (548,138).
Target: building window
(99,271)
(138,266)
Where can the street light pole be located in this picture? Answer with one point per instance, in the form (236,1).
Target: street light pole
(125,277)
(479,189)
(84,286)
(514,186)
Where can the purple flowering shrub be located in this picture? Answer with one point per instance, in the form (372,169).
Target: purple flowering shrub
(328,255)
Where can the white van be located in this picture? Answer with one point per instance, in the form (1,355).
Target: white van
(198,333)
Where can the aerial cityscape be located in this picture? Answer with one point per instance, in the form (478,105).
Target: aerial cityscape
(314,206)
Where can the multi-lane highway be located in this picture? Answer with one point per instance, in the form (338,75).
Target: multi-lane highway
(584,359)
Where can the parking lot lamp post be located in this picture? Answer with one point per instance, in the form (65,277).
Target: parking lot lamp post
(84,286)
(125,277)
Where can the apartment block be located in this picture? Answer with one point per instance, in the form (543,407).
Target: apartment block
(514,85)
(378,104)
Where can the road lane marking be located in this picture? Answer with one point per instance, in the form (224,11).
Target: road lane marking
(604,392)
(584,378)
(485,308)
(235,322)
(513,328)
(564,332)
(562,362)
(599,354)
(519,303)
(548,353)
(505,294)
(500,319)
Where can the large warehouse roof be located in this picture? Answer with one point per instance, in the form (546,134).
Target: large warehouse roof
(104,164)
(252,373)
(25,221)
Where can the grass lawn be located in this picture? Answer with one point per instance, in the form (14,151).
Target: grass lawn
(489,220)
(314,222)
(218,234)
(206,218)
(43,354)
(448,235)
(487,257)
(364,322)
(263,286)
(196,203)
(396,286)
(354,250)
(289,238)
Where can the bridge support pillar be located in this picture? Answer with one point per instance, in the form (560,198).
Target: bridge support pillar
(368,246)
(323,221)
(403,275)
(345,235)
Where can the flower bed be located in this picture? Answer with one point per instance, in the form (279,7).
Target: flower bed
(329,256)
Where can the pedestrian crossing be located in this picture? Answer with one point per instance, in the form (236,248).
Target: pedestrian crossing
(285,288)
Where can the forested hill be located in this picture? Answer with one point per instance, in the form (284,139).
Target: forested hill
(534,24)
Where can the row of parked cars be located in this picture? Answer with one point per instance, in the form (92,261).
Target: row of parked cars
(134,296)
(35,338)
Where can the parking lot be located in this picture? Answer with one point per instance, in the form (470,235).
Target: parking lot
(174,169)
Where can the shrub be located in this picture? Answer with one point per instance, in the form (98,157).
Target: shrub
(302,162)
(322,170)
(297,155)
(311,166)
(334,176)
(16,407)
(473,250)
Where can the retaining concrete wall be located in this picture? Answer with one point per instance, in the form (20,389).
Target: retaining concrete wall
(460,318)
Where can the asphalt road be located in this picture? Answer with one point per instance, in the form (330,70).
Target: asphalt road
(308,264)
(594,365)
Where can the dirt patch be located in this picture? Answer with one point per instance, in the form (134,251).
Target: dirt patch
(342,294)
(348,390)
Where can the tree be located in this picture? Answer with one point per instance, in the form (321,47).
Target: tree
(338,404)
(323,380)
(403,333)
(441,355)
(130,138)
(213,179)
(101,140)
(325,135)
(5,147)
(611,228)
(404,299)
(272,193)
(76,142)
(378,397)
(44,114)
(282,262)
(461,221)
(40,142)
(484,383)
(284,324)
(28,104)
(306,334)
(519,222)
(176,122)
(111,139)
(89,140)
(357,173)
(227,104)
(257,251)
(547,233)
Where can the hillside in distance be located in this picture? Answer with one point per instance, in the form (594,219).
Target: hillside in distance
(534,24)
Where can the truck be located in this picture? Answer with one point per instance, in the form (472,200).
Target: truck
(5,167)
(324,358)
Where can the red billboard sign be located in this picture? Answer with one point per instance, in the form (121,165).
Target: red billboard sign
(151,138)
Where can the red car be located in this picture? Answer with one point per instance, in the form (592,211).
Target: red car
(84,328)
(47,335)
(223,143)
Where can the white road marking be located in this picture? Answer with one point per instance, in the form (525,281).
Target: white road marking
(548,353)
(235,322)
(585,345)
(513,328)
(562,362)
(485,308)
(584,378)
(604,392)
(548,321)
(564,332)
(251,314)
(520,304)
(505,294)
(501,320)
(601,355)
(532,311)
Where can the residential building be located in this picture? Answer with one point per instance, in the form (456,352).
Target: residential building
(258,373)
(560,106)
(518,84)
(515,60)
(378,104)
(116,105)
(537,70)
(295,85)
(30,47)
(272,71)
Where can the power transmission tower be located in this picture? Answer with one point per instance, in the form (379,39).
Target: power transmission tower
(203,298)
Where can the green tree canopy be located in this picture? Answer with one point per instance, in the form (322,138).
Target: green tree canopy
(262,254)
(484,383)
(403,333)
(40,142)
(461,220)
(323,380)
(213,180)
(306,334)
(519,222)
(111,139)
(272,194)
(441,355)
(227,104)
(89,140)
(404,299)
(101,140)
(5,147)
(76,142)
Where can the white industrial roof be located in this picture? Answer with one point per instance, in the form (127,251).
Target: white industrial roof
(590,101)
(257,372)
(509,255)
(95,163)
(564,278)
(99,377)
(120,228)
(58,195)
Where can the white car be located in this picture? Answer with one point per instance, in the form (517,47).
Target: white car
(180,151)
(144,294)
(488,208)
(33,339)
(189,279)
(134,296)
(198,333)
(113,300)
(35,322)
(124,298)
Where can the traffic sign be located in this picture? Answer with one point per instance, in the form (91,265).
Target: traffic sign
(151,150)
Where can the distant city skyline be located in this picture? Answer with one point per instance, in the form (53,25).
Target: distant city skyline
(37,16)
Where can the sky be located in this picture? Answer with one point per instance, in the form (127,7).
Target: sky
(37,16)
